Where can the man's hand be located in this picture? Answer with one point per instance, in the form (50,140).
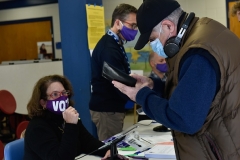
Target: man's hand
(143,80)
(131,92)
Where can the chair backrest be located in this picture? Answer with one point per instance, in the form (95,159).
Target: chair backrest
(20,128)
(7,102)
(14,150)
(1,150)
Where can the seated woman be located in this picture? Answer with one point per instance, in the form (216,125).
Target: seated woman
(55,131)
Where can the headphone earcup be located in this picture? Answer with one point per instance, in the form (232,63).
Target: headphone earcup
(171,47)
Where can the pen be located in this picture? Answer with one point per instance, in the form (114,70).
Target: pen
(138,152)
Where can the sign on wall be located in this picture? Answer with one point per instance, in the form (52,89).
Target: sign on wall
(96,24)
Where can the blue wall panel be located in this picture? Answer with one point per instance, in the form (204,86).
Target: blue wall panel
(76,55)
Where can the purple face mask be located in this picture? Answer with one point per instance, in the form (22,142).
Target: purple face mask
(58,105)
(128,34)
(162,67)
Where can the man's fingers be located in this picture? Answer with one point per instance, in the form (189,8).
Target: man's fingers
(118,85)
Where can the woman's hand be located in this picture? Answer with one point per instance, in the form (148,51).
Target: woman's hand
(108,154)
(70,115)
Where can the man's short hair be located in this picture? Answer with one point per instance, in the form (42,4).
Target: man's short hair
(121,12)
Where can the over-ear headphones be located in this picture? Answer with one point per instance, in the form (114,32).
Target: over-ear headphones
(172,45)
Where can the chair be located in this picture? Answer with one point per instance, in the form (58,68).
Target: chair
(20,128)
(7,108)
(1,150)
(7,102)
(14,150)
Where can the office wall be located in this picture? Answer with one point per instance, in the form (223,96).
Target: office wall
(50,10)
(215,9)
(23,78)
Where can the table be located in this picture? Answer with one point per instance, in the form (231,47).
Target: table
(145,128)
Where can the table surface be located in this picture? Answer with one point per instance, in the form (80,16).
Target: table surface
(145,128)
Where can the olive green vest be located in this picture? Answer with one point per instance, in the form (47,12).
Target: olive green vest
(221,130)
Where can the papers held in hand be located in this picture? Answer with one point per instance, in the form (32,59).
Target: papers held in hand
(111,73)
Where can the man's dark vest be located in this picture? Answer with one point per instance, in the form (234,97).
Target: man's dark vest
(219,137)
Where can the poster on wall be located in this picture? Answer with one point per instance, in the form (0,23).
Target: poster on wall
(45,50)
(96,24)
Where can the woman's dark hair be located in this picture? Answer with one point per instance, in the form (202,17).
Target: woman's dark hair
(40,92)
(122,11)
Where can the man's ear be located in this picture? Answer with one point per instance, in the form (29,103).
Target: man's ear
(117,23)
(152,64)
(170,25)
(43,103)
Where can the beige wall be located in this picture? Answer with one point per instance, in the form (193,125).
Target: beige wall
(215,9)
(23,78)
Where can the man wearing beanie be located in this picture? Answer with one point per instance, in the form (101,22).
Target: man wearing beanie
(201,103)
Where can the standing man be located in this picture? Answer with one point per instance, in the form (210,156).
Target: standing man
(107,103)
(201,104)
(159,68)
(236,10)
(158,65)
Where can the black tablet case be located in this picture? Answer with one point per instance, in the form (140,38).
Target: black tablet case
(112,73)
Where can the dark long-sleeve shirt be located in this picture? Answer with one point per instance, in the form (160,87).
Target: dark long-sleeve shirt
(46,139)
(105,97)
(188,106)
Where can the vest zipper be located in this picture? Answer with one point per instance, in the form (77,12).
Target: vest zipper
(213,147)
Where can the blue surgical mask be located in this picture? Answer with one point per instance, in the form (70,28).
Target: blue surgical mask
(157,47)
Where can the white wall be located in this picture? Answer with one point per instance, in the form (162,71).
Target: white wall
(23,78)
(215,9)
(50,10)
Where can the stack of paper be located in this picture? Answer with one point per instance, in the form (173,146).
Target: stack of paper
(161,150)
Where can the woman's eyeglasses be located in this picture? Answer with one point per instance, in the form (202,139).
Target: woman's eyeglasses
(56,94)
(133,25)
